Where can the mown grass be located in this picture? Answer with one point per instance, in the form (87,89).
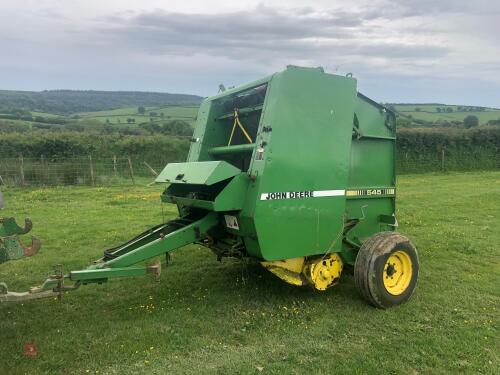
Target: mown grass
(211,317)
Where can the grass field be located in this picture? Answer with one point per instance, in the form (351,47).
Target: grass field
(211,317)
(120,116)
(46,115)
(429,113)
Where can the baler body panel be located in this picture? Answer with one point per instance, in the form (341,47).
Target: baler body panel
(307,151)
(372,178)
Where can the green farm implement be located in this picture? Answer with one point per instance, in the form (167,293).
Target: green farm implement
(296,170)
(11,246)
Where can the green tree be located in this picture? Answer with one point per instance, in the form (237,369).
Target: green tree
(151,127)
(471,121)
(177,127)
(141,110)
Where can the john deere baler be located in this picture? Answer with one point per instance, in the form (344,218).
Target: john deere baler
(296,170)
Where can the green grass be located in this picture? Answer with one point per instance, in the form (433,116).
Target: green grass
(187,114)
(428,113)
(18,122)
(47,115)
(211,317)
(118,117)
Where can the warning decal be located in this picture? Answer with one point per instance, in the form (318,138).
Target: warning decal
(232,222)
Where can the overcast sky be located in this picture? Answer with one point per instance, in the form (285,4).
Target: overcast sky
(444,51)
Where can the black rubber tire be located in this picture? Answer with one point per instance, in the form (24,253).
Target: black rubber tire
(369,268)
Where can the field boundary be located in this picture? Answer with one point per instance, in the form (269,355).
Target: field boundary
(98,170)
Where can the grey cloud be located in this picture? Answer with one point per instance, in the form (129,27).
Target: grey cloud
(408,50)
(258,34)
(261,21)
(444,7)
(401,9)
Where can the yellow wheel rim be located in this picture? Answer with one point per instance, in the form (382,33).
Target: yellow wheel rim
(398,272)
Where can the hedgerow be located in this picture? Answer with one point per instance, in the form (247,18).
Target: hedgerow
(417,149)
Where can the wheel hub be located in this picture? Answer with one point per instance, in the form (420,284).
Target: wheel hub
(397,272)
(324,272)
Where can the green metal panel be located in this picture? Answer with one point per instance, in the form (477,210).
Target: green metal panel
(181,237)
(10,248)
(190,202)
(372,169)
(199,132)
(372,163)
(197,173)
(210,133)
(232,197)
(311,116)
(232,149)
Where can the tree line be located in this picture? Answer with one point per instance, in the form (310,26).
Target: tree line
(72,101)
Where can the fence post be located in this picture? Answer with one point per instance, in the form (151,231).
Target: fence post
(131,170)
(91,170)
(44,173)
(442,159)
(114,165)
(21,167)
(151,169)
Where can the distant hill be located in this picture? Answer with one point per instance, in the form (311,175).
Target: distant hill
(437,113)
(72,101)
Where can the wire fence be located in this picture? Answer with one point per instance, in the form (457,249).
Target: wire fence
(447,161)
(77,171)
(119,170)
